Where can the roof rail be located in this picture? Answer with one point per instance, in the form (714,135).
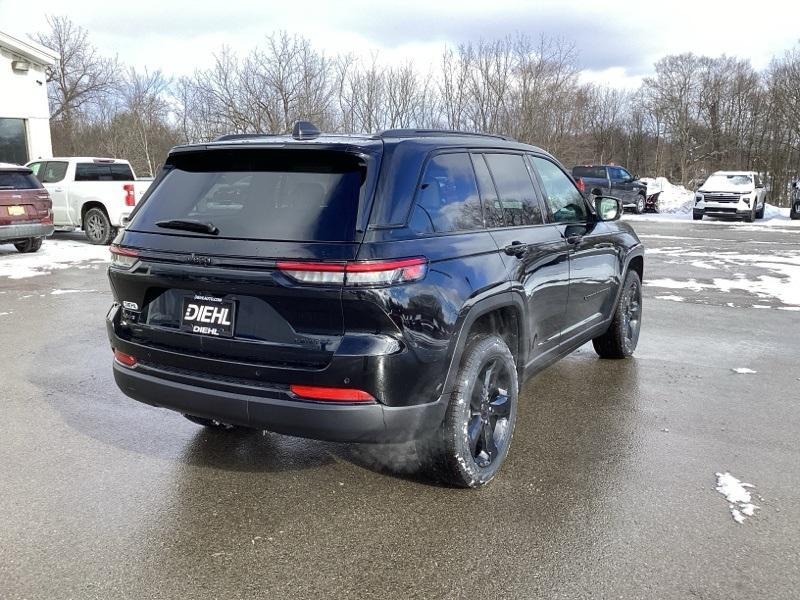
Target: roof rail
(241,136)
(407,133)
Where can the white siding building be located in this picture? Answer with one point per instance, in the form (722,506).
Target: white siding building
(24,113)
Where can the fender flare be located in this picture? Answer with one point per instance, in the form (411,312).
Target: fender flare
(470,313)
(634,252)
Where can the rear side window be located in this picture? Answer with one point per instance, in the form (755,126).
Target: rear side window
(517,196)
(103,172)
(447,199)
(52,172)
(304,195)
(592,172)
(18,180)
(563,199)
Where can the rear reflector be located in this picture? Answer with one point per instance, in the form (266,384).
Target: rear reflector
(124,359)
(330,394)
(374,272)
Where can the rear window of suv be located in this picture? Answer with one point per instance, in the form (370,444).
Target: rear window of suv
(18,180)
(302,195)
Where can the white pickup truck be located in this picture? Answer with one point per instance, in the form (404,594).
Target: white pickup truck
(93,194)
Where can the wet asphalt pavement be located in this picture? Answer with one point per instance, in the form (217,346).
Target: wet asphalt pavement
(608,491)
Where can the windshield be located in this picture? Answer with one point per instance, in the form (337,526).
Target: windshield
(303,195)
(727,181)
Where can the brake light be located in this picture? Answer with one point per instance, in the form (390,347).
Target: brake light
(356,273)
(124,258)
(124,359)
(330,394)
(130,199)
(581,185)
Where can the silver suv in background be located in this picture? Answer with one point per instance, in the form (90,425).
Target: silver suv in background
(740,194)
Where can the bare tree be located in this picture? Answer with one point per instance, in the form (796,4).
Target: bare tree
(80,81)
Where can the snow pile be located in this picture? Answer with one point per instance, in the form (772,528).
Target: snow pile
(775,212)
(675,202)
(672,199)
(55,254)
(736,494)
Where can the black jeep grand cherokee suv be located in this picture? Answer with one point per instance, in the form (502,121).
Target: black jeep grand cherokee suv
(367,288)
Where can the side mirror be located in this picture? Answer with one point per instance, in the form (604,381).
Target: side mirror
(608,208)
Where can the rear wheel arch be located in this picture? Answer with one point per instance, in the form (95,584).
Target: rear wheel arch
(87,206)
(499,313)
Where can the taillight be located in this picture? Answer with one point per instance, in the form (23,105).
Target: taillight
(123,258)
(124,359)
(581,185)
(356,273)
(330,394)
(130,199)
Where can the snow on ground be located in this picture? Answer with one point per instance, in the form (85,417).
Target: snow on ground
(737,495)
(671,297)
(55,254)
(782,281)
(675,203)
(743,370)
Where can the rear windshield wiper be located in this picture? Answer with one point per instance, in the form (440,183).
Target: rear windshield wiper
(189,225)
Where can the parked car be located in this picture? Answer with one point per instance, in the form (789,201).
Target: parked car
(613,180)
(367,288)
(794,208)
(93,194)
(739,194)
(26,217)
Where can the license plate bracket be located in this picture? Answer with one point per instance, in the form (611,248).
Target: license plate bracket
(16,211)
(210,315)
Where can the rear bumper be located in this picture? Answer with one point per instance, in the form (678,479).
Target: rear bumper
(268,403)
(318,420)
(24,231)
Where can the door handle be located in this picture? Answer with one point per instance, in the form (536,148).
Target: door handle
(515,249)
(58,189)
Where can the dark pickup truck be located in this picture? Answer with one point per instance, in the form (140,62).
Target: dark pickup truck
(612,180)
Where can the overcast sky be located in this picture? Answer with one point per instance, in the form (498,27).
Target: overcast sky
(617,42)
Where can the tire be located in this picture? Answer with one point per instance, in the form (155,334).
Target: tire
(211,423)
(97,227)
(620,340)
(697,216)
(472,442)
(28,246)
(751,216)
(640,204)
(760,211)
(794,215)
